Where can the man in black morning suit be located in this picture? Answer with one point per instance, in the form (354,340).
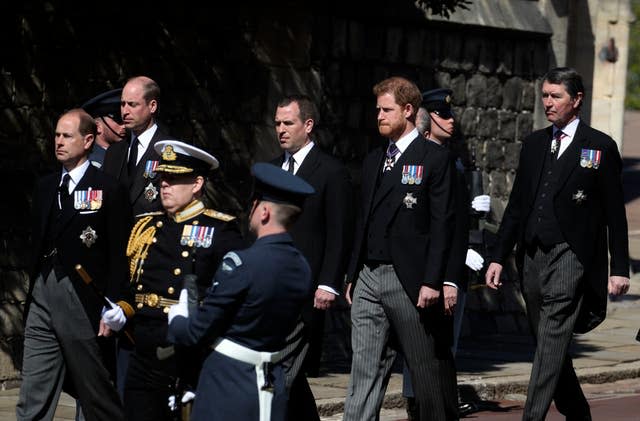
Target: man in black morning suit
(80,218)
(396,271)
(322,233)
(566,210)
(133,162)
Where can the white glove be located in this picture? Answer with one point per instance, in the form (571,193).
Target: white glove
(188,396)
(180,309)
(114,317)
(474,260)
(481,203)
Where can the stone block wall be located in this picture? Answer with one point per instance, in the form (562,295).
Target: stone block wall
(222,72)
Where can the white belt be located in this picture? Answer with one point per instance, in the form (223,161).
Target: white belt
(259,360)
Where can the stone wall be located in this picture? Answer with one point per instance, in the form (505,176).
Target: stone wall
(221,73)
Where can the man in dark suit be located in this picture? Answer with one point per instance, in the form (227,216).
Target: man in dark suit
(566,210)
(252,304)
(397,266)
(79,234)
(322,233)
(134,162)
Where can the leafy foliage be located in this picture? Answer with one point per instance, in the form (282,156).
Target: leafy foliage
(632,100)
(442,7)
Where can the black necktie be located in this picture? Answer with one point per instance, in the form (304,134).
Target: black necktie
(291,162)
(63,189)
(133,156)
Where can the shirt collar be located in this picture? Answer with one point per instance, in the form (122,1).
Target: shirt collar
(145,137)
(404,142)
(570,129)
(301,154)
(76,174)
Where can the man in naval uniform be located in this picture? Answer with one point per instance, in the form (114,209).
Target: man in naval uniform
(165,246)
(253,303)
(79,238)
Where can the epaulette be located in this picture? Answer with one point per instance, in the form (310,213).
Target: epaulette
(219,215)
(154,213)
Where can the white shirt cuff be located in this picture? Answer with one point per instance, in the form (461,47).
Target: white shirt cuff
(451,284)
(328,289)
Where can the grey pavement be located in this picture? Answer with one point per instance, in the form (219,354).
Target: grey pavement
(496,367)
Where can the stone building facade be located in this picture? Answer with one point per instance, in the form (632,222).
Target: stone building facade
(222,71)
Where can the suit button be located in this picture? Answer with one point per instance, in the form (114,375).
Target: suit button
(159,224)
(195,223)
(539,207)
(171,290)
(139,305)
(154,240)
(139,287)
(185,254)
(165,310)
(544,194)
(177,271)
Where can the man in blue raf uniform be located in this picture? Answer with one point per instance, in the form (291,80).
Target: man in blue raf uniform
(105,109)
(254,301)
(185,238)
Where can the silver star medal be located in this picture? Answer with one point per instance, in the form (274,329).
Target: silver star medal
(579,196)
(150,192)
(409,200)
(88,236)
(554,146)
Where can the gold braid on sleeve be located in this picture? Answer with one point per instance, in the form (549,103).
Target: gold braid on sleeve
(138,245)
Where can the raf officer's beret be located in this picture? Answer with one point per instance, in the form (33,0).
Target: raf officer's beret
(439,101)
(107,104)
(181,158)
(274,184)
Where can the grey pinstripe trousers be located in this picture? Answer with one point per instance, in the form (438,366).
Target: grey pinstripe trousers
(384,317)
(551,286)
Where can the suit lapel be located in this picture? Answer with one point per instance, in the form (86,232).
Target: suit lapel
(570,158)
(309,164)
(69,210)
(393,177)
(139,181)
(541,146)
(50,199)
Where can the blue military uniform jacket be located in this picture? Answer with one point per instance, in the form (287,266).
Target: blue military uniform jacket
(255,299)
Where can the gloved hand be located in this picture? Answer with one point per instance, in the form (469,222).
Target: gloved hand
(481,203)
(188,396)
(113,317)
(180,309)
(474,260)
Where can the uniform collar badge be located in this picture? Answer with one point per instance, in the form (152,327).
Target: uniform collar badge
(87,199)
(88,236)
(412,174)
(410,200)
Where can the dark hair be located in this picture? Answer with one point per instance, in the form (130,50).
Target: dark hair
(568,77)
(404,91)
(308,109)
